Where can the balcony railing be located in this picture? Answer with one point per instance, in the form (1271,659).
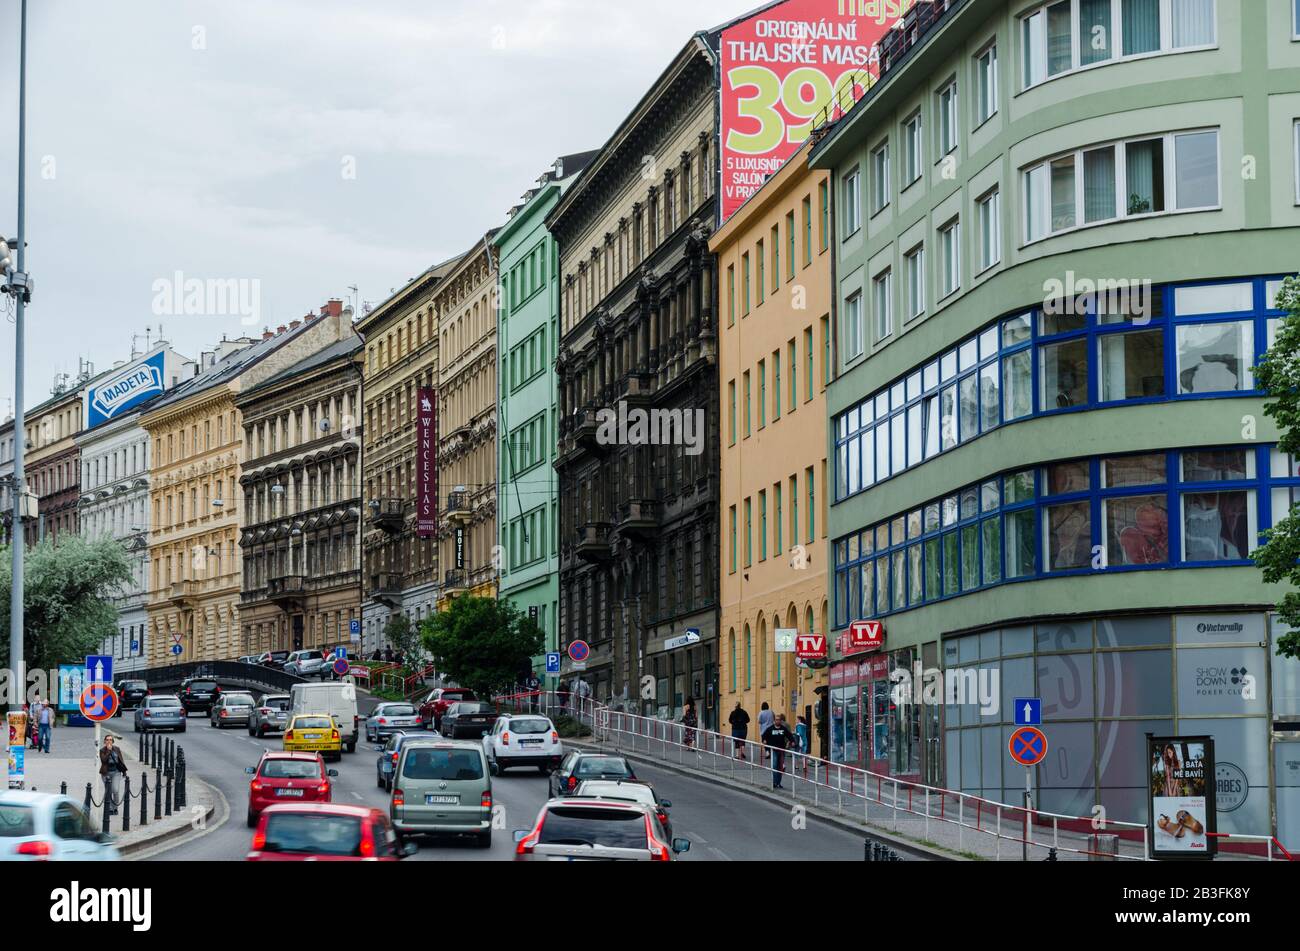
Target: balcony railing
(286,587)
(638,517)
(593,542)
(458,506)
(387,514)
(454,580)
(183,592)
(386,586)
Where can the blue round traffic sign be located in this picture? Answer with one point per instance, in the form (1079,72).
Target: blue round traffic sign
(176,649)
(98,702)
(579,651)
(1027,746)
(341,667)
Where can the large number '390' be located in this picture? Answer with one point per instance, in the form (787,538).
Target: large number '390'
(770,91)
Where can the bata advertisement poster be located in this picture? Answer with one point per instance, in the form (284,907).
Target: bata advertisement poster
(779,72)
(1182,815)
(426,462)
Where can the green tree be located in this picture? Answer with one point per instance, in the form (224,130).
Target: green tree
(482,643)
(403,636)
(1278,375)
(67,592)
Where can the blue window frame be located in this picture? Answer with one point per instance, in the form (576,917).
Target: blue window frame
(1194,507)
(1131,343)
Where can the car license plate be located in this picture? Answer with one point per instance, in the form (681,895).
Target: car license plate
(431,800)
(311,736)
(530,742)
(288,792)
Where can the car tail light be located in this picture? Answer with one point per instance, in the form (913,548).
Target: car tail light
(394,759)
(505,739)
(658,851)
(367,847)
(573,782)
(259,840)
(486,800)
(555,737)
(529,842)
(255,786)
(225,713)
(288,734)
(399,798)
(383,721)
(323,789)
(147,713)
(663,817)
(334,734)
(264,711)
(38,848)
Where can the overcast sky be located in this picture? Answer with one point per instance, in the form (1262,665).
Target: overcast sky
(306,145)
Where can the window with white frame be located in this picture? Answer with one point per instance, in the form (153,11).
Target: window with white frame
(948,119)
(986,84)
(1071,34)
(852,202)
(854,329)
(949,258)
(912,149)
(1176,171)
(914,282)
(881,302)
(880,178)
(989,225)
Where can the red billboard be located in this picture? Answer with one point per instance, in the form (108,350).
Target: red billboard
(779,71)
(426,461)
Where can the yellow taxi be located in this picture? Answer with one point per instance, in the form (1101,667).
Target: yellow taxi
(313,733)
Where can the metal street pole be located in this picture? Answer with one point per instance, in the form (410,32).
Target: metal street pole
(20,486)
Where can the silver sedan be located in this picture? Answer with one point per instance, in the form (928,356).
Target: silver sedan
(389,718)
(270,716)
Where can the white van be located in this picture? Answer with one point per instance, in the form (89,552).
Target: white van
(338,700)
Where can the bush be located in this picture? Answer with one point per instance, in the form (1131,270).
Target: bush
(569,728)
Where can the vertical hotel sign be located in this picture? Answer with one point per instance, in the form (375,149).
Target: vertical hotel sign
(426,462)
(779,70)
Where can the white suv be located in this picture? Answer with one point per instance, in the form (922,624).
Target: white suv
(523,739)
(307,663)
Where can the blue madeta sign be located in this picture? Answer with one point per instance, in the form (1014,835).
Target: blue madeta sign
(123,390)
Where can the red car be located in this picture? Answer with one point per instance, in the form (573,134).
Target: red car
(326,832)
(436,704)
(287,777)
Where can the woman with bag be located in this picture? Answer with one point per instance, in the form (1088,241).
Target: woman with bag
(111,769)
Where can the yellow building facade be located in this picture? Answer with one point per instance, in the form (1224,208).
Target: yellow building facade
(773,358)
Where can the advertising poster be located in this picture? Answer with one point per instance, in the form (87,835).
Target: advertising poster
(426,462)
(1183,804)
(72,681)
(127,388)
(17,749)
(779,71)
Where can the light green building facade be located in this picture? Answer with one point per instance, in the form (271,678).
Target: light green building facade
(1066,496)
(528,337)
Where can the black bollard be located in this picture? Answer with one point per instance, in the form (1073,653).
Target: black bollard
(126,802)
(1051,856)
(144,797)
(63,788)
(167,757)
(143,736)
(157,794)
(85,807)
(103,812)
(866,850)
(167,796)
(180,777)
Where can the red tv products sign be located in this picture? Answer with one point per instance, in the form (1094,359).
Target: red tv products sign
(866,636)
(810,646)
(779,70)
(426,462)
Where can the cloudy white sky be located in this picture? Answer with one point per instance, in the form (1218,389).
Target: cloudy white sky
(213,137)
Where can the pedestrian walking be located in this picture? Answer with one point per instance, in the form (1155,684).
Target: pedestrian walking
(33,710)
(765,720)
(778,737)
(111,769)
(739,721)
(801,732)
(690,721)
(45,724)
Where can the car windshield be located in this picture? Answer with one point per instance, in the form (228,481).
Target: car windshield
(614,828)
(464,708)
(290,769)
(239,699)
(156,702)
(134,685)
(442,764)
(202,685)
(630,792)
(534,725)
(603,766)
(313,834)
(276,703)
(453,695)
(398,710)
(312,723)
(16,821)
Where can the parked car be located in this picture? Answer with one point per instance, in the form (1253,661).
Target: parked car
(576,767)
(273,659)
(269,716)
(468,719)
(46,827)
(281,777)
(250,659)
(389,718)
(305,663)
(339,700)
(436,703)
(307,831)
(628,792)
(130,693)
(199,694)
(524,739)
(313,733)
(160,712)
(232,709)
(597,829)
(442,787)
(386,764)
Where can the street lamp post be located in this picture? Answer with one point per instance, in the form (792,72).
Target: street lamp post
(17,283)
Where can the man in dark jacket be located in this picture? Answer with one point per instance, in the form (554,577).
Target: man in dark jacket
(779,737)
(739,721)
(111,769)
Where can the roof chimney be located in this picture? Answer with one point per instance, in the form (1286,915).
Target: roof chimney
(295,324)
(266,334)
(332,308)
(281,329)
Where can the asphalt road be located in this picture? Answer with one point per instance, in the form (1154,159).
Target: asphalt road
(722,825)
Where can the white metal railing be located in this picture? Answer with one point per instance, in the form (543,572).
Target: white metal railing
(983,827)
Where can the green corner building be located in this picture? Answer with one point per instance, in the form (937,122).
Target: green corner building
(1060,231)
(528,333)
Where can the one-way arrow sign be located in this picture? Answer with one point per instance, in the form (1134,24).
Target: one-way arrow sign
(1029,711)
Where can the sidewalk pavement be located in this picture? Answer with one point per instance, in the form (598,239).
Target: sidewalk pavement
(74,759)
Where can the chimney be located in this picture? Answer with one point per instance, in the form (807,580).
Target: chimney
(331,308)
(281,329)
(266,334)
(295,324)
